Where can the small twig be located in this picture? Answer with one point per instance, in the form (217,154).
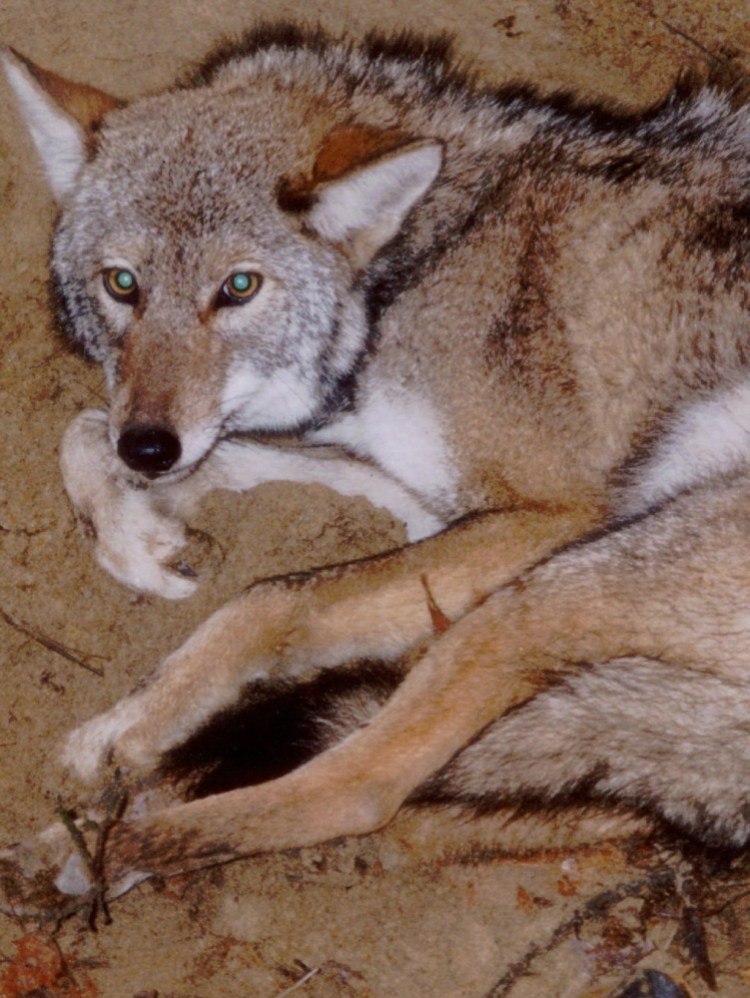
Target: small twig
(88,902)
(647,9)
(693,41)
(50,644)
(95,899)
(300,983)
(68,819)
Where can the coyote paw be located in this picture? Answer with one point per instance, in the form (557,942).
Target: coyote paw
(88,749)
(139,547)
(124,736)
(52,876)
(39,876)
(136,542)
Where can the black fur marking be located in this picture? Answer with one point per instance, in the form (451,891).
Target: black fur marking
(265,35)
(440,789)
(435,52)
(443,72)
(700,829)
(725,230)
(394,270)
(621,169)
(339,392)
(275,727)
(294,199)
(434,55)
(340,398)
(75,310)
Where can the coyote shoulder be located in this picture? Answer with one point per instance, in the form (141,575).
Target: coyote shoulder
(518,322)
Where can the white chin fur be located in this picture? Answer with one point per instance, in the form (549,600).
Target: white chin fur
(253,401)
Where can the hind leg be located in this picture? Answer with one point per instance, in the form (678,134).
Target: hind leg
(671,588)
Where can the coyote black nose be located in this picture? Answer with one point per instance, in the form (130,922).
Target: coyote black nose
(148,448)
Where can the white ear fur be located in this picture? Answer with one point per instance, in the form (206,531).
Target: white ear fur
(369,203)
(58,137)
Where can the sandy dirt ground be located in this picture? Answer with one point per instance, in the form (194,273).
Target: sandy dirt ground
(382,916)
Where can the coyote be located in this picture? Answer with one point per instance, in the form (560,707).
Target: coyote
(519,323)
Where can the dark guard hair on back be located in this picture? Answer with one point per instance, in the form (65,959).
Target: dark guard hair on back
(265,35)
(434,55)
(436,58)
(442,73)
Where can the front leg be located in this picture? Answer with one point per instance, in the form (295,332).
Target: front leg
(138,526)
(381,607)
(239,464)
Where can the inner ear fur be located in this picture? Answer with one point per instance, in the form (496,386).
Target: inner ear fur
(363,183)
(343,149)
(61,117)
(86,104)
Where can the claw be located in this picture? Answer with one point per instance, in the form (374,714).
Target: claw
(146,575)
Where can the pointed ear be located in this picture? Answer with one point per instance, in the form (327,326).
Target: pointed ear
(60,115)
(364,184)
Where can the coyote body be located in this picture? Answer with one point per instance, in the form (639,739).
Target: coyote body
(520,324)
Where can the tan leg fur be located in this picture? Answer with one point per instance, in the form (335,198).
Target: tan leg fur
(595,601)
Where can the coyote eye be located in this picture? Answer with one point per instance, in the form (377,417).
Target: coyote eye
(121,285)
(239,288)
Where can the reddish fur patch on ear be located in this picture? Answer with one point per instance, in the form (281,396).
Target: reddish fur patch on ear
(86,104)
(344,148)
(350,146)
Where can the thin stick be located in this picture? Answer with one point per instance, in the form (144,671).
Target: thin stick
(50,644)
(693,41)
(94,900)
(300,983)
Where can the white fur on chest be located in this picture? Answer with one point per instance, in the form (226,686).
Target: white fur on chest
(402,434)
(709,438)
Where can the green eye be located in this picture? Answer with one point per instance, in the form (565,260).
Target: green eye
(239,288)
(121,285)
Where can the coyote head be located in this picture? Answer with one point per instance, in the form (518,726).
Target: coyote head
(211,247)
